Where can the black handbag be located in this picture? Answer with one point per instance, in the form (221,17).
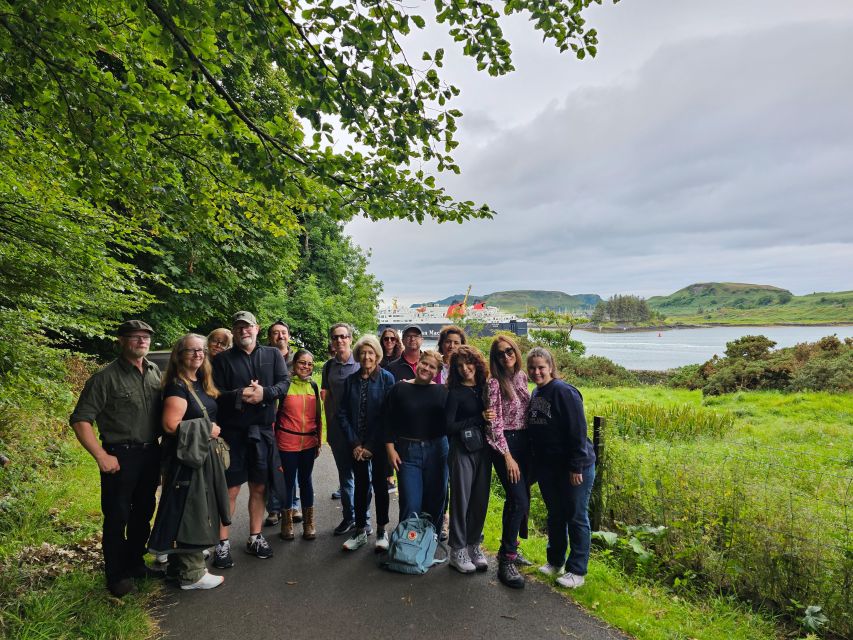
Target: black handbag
(472,439)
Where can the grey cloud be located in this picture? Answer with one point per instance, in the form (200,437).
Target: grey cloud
(719,158)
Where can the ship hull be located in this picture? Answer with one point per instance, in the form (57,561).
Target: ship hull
(432,329)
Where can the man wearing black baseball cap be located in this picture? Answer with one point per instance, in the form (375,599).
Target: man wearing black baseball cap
(251,378)
(123,399)
(403,368)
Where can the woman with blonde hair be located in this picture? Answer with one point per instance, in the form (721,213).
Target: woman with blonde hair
(564,464)
(219,340)
(189,394)
(416,441)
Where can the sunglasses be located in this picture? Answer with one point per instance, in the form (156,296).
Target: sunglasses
(340,337)
(388,339)
(506,353)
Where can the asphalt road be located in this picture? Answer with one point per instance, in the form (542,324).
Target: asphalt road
(313,589)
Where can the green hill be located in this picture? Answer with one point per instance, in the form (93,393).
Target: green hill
(518,301)
(738,303)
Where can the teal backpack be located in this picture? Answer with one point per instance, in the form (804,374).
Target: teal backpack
(412,546)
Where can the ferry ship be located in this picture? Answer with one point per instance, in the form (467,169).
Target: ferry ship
(478,319)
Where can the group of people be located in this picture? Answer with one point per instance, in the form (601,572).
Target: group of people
(229,411)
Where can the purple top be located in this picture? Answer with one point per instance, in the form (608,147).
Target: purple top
(510,413)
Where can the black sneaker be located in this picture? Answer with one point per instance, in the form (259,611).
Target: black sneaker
(222,556)
(259,547)
(336,494)
(520,560)
(344,527)
(392,488)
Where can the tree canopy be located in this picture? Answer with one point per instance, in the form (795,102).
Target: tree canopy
(177,154)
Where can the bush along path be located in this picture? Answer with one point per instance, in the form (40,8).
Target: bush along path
(314,589)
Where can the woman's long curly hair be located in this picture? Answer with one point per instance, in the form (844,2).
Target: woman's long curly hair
(468,355)
(174,371)
(498,368)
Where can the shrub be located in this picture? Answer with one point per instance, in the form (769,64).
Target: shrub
(825,374)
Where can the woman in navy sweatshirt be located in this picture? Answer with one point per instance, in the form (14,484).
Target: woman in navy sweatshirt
(564,463)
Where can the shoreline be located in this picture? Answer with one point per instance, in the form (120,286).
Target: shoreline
(674,327)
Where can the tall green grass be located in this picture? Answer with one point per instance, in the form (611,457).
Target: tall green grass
(756,503)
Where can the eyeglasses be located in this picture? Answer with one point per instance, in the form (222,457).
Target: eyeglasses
(388,339)
(195,352)
(340,336)
(506,353)
(218,343)
(304,363)
(139,338)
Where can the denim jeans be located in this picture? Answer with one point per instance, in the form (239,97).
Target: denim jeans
(422,478)
(517,503)
(568,516)
(342,453)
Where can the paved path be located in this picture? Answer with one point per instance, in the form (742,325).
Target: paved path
(314,590)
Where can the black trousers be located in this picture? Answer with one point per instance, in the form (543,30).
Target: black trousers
(128,501)
(517,503)
(371,472)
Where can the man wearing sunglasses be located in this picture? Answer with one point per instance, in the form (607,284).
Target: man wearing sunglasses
(335,372)
(123,399)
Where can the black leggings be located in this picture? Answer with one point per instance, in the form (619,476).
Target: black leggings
(517,502)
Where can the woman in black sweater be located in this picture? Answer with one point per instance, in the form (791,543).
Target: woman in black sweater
(415,439)
(564,464)
(469,460)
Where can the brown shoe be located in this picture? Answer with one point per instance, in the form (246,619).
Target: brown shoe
(121,588)
(308,530)
(286,525)
(297,515)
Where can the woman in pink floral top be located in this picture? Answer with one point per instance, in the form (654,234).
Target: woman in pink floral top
(507,436)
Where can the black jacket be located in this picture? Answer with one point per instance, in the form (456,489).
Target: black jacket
(233,370)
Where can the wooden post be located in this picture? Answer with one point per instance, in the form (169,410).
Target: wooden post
(596,507)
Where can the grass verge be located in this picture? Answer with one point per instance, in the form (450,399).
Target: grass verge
(641,608)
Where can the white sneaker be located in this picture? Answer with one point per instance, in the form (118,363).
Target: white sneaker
(381,541)
(551,571)
(356,541)
(460,561)
(478,558)
(162,558)
(571,581)
(207,581)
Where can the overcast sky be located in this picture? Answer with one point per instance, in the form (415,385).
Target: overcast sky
(707,141)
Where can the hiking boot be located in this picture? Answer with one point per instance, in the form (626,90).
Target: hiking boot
(381,540)
(259,547)
(551,571)
(309,532)
(273,518)
(344,527)
(287,525)
(356,541)
(222,556)
(520,560)
(121,588)
(297,515)
(207,581)
(460,561)
(508,573)
(478,559)
(571,581)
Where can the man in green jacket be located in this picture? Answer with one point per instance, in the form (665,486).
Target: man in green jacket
(123,399)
